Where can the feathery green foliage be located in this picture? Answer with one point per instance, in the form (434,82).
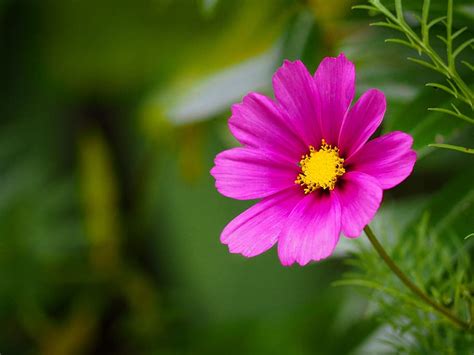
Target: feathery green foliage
(445,267)
(446,64)
(431,250)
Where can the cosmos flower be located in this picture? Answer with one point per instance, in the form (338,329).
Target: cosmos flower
(306,155)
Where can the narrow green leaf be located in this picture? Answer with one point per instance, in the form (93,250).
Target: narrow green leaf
(387,24)
(436,20)
(462,47)
(443,87)
(458,32)
(443,39)
(467,64)
(453,147)
(364,7)
(469,236)
(455,108)
(452,113)
(425,64)
(452,86)
(402,42)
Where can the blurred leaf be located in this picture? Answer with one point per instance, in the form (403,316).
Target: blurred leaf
(100,199)
(214,94)
(297,35)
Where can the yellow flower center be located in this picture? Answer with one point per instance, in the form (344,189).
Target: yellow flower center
(320,168)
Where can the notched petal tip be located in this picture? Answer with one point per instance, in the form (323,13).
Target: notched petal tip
(292,62)
(341,59)
(284,74)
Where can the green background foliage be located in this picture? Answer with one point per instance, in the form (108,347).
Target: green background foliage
(111,115)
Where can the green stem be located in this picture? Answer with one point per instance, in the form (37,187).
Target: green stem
(449,35)
(425,31)
(408,283)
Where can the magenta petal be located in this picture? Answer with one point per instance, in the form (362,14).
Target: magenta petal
(388,158)
(335,81)
(245,173)
(362,121)
(258,122)
(256,230)
(360,196)
(312,229)
(295,91)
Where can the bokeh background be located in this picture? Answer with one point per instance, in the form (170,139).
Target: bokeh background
(111,114)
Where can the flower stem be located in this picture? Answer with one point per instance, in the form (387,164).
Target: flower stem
(408,283)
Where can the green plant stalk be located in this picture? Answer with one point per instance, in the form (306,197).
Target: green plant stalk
(408,283)
(449,36)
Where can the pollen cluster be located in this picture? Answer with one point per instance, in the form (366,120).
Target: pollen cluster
(320,168)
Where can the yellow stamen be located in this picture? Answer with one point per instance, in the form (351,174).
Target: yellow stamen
(320,168)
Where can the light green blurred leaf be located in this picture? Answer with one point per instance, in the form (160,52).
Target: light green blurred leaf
(211,95)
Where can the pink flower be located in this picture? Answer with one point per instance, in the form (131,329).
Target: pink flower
(306,155)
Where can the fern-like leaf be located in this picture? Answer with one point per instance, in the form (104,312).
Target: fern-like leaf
(459,89)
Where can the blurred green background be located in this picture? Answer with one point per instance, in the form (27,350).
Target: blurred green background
(111,114)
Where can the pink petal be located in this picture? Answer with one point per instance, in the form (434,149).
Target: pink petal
(256,230)
(362,121)
(258,122)
(295,91)
(388,158)
(312,229)
(360,196)
(245,173)
(335,81)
